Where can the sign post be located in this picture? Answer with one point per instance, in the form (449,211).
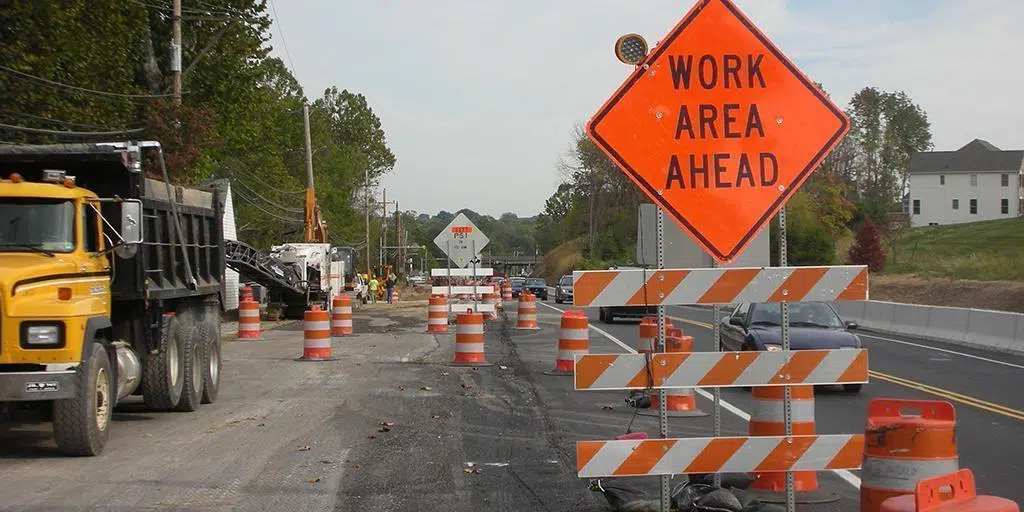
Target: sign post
(719,129)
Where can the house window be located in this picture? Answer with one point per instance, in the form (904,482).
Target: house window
(974,206)
(956,204)
(1004,180)
(942,179)
(1004,206)
(974,180)
(917,207)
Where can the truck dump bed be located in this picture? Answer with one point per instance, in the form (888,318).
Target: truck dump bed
(158,269)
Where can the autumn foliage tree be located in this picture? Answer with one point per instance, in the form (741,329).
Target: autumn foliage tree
(867,249)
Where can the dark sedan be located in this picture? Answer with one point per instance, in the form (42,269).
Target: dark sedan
(517,285)
(813,325)
(537,286)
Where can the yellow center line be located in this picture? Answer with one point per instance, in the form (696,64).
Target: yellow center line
(907,383)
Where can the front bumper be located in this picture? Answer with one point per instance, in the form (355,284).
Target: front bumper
(32,386)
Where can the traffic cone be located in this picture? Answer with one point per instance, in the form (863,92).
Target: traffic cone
(248,320)
(573,340)
(526,316)
(316,336)
(469,340)
(341,316)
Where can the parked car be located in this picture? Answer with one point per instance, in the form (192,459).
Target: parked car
(517,285)
(609,314)
(563,290)
(418,278)
(537,286)
(813,325)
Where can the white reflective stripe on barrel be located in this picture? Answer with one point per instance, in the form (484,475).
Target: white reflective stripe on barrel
(347,322)
(469,329)
(317,326)
(438,309)
(463,348)
(248,327)
(773,410)
(570,355)
(574,334)
(248,313)
(902,475)
(324,343)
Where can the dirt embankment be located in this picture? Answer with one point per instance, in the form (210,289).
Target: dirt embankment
(997,295)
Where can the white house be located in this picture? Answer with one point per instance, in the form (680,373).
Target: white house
(976,182)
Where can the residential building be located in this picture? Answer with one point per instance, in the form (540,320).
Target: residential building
(976,182)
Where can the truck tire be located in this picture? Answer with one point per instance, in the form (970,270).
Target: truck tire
(81,425)
(163,377)
(210,334)
(195,356)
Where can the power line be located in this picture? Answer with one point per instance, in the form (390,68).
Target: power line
(72,133)
(268,201)
(277,21)
(40,79)
(56,121)
(281,218)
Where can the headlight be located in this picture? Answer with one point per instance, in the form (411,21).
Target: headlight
(773,348)
(42,335)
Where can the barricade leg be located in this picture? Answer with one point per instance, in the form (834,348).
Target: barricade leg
(679,402)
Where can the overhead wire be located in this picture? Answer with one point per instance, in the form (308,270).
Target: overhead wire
(284,43)
(70,133)
(84,90)
(256,205)
(268,201)
(55,121)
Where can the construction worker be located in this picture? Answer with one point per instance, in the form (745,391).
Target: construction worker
(374,286)
(389,284)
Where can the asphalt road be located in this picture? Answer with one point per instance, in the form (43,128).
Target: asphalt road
(985,388)
(390,425)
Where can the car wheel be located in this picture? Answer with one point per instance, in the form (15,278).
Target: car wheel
(852,388)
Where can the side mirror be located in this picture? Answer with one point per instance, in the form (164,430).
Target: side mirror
(735,320)
(851,325)
(131,222)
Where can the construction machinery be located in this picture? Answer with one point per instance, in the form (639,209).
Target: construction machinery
(112,285)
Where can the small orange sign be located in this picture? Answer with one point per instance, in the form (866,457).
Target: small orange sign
(718,127)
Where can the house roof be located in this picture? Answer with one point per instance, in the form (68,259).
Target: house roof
(976,156)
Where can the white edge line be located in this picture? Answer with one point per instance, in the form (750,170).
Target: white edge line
(843,474)
(937,349)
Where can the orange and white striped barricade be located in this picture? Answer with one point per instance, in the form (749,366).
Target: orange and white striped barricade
(573,341)
(933,495)
(767,418)
(679,402)
(437,314)
(647,340)
(469,340)
(908,440)
(316,336)
(721,369)
(650,457)
(526,315)
(248,320)
(341,316)
(490,306)
(506,291)
(709,286)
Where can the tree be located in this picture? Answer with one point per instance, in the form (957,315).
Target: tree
(807,239)
(867,249)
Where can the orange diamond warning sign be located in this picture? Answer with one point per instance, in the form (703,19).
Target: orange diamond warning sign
(718,127)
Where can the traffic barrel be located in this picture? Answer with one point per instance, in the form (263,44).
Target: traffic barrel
(948,493)
(506,291)
(245,292)
(492,300)
(469,340)
(437,314)
(341,316)
(394,295)
(497,295)
(679,402)
(767,418)
(647,342)
(905,441)
(248,319)
(526,316)
(573,340)
(316,335)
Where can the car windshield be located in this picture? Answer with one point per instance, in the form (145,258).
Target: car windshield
(33,224)
(806,314)
(535,282)
(566,281)
(518,281)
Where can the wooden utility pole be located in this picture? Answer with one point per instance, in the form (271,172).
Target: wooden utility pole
(366,178)
(176,50)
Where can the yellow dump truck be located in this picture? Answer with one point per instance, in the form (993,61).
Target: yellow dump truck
(111,285)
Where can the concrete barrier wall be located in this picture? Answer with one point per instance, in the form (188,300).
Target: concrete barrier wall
(994,330)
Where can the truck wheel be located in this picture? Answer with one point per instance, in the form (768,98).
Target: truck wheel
(194,357)
(211,367)
(81,424)
(163,378)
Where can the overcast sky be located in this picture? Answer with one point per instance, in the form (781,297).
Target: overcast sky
(479,97)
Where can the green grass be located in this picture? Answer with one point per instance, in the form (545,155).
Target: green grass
(986,251)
